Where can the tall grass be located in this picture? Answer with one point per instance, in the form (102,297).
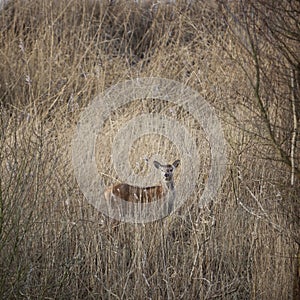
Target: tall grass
(55,57)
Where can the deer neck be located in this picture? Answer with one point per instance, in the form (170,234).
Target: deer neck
(169,192)
(168,186)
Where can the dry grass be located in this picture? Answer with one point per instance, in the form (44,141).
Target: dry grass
(55,57)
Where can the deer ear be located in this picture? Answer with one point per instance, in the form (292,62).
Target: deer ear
(156,164)
(176,163)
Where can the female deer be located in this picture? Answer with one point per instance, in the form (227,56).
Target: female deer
(136,194)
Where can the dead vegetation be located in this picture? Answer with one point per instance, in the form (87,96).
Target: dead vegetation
(243,58)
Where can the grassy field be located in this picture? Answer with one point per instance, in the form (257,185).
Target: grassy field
(242,57)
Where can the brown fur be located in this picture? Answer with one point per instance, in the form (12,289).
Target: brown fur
(134,194)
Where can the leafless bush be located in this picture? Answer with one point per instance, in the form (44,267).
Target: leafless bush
(243,58)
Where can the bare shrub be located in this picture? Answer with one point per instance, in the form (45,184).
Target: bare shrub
(56,56)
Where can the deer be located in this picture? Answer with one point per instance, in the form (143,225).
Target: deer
(137,194)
